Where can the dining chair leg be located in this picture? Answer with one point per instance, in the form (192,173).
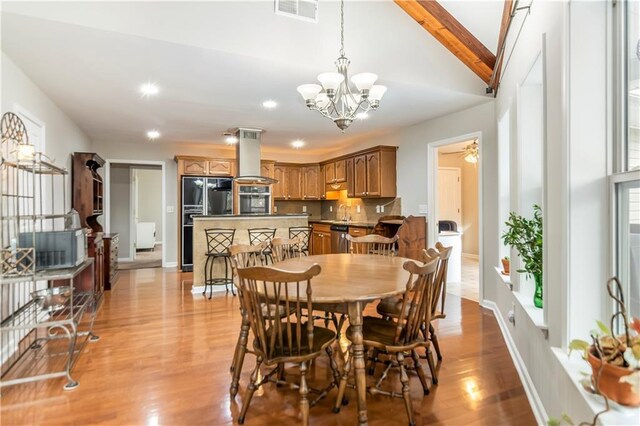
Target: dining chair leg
(241,348)
(333,365)
(432,366)
(373,361)
(304,391)
(423,378)
(250,390)
(434,339)
(340,400)
(406,393)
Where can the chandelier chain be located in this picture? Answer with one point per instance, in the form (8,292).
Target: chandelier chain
(342,28)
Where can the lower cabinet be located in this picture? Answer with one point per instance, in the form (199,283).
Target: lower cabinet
(95,244)
(320,239)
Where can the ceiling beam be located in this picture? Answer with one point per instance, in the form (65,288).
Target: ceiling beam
(504,26)
(434,18)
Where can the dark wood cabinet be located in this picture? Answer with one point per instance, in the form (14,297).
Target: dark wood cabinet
(351,190)
(95,246)
(111,242)
(88,188)
(375,173)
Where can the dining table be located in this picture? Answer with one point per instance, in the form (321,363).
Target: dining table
(346,284)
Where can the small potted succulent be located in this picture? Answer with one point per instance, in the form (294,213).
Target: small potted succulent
(525,235)
(506,265)
(615,359)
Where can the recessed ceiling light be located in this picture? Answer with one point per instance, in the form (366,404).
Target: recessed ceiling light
(269,104)
(149,89)
(153,134)
(297,144)
(230,139)
(362,115)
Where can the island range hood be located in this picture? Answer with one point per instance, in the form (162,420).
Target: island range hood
(248,157)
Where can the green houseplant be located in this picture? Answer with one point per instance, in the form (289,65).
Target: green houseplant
(525,235)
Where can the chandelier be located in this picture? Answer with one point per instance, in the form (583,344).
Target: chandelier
(471,152)
(336,98)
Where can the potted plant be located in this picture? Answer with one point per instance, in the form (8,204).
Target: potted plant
(615,360)
(506,265)
(525,235)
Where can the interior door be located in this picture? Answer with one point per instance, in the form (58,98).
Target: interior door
(450,194)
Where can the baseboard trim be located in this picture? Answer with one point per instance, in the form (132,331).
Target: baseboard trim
(532,394)
(471,256)
(200,288)
(170,265)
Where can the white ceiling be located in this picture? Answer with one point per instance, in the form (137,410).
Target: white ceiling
(215,63)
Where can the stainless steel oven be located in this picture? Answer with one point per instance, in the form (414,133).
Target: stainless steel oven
(254,199)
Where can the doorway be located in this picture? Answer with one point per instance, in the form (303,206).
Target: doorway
(135,210)
(456,197)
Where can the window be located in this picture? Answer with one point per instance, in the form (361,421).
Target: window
(626,180)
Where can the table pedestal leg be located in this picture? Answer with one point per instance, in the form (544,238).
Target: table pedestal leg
(355,319)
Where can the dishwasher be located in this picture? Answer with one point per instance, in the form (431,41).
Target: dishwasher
(339,242)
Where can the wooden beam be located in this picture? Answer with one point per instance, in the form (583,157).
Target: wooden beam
(434,18)
(506,20)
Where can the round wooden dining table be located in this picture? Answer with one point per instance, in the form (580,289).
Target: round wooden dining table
(346,284)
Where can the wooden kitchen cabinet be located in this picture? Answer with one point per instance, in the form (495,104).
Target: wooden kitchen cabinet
(320,239)
(203,166)
(351,190)
(289,186)
(267,169)
(220,168)
(311,182)
(375,173)
(279,188)
(294,183)
(335,172)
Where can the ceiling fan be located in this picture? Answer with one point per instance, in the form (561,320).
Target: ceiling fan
(470,152)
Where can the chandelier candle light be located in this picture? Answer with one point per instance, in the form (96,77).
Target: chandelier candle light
(335,98)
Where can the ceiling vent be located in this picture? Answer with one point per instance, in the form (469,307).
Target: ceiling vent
(305,10)
(248,134)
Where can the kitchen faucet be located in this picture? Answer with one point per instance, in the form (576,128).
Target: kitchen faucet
(346,217)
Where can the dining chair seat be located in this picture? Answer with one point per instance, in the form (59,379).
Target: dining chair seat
(381,334)
(322,337)
(390,307)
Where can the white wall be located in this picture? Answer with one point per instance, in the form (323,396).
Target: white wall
(120,207)
(63,136)
(575,193)
(150,197)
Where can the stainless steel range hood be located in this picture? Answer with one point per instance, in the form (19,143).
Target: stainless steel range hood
(248,157)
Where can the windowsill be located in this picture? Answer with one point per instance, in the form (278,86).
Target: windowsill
(505,278)
(536,315)
(575,366)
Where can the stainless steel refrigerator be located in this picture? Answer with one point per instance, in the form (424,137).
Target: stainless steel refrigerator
(202,196)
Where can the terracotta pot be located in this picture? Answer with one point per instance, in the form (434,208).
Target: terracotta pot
(610,385)
(506,266)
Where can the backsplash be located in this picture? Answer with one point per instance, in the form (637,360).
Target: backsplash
(392,207)
(314,210)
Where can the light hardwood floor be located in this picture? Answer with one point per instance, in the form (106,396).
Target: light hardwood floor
(164,355)
(469,287)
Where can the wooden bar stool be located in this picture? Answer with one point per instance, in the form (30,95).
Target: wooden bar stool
(218,243)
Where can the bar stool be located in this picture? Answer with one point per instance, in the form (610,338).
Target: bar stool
(261,235)
(218,243)
(303,233)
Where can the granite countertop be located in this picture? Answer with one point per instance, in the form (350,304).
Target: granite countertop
(340,222)
(248,216)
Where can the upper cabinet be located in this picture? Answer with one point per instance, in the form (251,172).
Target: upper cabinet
(297,182)
(311,182)
(202,166)
(374,173)
(335,172)
(267,168)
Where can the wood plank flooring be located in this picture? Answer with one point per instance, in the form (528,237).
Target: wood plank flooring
(164,355)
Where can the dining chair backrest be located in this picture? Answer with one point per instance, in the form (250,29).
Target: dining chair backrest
(443,253)
(280,331)
(286,248)
(304,234)
(219,240)
(245,256)
(259,235)
(416,301)
(372,244)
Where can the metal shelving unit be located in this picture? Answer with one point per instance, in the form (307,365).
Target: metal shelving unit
(37,341)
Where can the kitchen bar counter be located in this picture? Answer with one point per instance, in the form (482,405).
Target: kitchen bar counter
(340,222)
(241,223)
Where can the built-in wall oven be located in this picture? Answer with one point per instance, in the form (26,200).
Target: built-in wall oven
(254,199)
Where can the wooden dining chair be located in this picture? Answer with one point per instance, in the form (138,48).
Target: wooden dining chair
(243,255)
(286,248)
(372,244)
(279,337)
(396,338)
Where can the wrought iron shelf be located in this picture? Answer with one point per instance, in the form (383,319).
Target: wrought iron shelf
(49,274)
(31,315)
(37,167)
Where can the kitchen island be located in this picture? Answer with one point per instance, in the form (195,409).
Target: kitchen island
(241,223)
